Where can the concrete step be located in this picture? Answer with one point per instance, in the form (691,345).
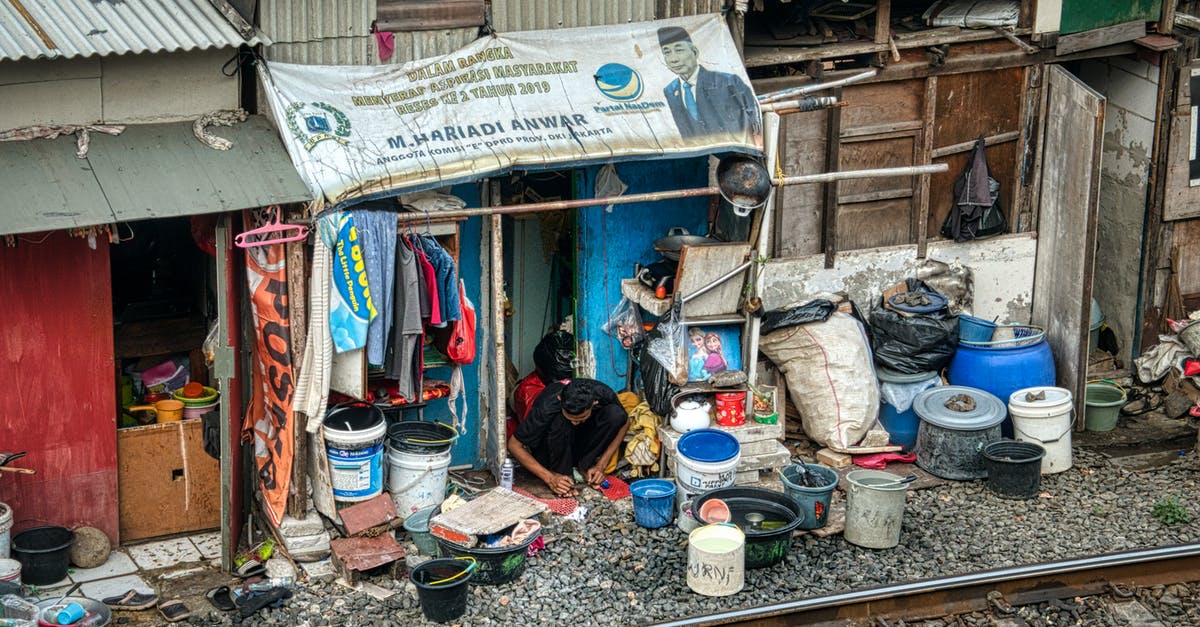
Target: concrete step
(777,457)
(745,434)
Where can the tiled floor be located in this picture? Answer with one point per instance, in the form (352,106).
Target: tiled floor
(121,572)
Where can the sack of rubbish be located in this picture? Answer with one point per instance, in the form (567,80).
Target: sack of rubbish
(912,343)
(830,376)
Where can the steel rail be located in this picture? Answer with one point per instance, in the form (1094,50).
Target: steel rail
(965,593)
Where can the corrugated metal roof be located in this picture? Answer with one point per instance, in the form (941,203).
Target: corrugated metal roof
(66,29)
(149,171)
(682,8)
(520,15)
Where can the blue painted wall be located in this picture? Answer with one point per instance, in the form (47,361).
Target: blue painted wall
(466,450)
(610,243)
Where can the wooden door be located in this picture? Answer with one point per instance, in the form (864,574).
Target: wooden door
(1066,227)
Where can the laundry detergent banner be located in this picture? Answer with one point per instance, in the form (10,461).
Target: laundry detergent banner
(567,97)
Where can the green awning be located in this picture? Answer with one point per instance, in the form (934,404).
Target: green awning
(148,171)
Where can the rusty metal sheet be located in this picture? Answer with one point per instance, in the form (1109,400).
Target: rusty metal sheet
(368,514)
(359,554)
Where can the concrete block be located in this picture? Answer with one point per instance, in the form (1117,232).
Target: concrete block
(749,432)
(311,524)
(319,571)
(778,458)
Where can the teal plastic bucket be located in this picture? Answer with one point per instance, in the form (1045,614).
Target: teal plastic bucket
(653,502)
(814,502)
(417,526)
(972,329)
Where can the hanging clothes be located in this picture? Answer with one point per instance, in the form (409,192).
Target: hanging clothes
(446,275)
(377,233)
(430,282)
(405,355)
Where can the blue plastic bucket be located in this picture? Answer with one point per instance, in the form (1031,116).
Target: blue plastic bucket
(354,434)
(901,424)
(653,502)
(972,329)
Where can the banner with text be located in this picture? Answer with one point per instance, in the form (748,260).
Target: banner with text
(669,88)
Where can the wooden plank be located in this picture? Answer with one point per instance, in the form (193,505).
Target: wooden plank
(761,56)
(833,129)
(701,265)
(491,512)
(882,194)
(1158,43)
(1067,224)
(921,202)
(1186,237)
(798,221)
(883,21)
(297,280)
(1100,37)
(875,130)
(1020,212)
(874,224)
(1181,200)
(990,140)
(167,483)
(880,104)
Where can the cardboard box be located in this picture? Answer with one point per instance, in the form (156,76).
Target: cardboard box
(167,483)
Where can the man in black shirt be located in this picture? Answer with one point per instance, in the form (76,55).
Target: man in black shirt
(573,424)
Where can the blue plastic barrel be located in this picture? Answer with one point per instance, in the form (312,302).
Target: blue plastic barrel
(1002,369)
(901,424)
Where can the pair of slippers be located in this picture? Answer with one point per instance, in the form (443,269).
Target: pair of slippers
(173,610)
(248,603)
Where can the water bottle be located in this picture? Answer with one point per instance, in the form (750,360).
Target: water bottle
(271,584)
(506,474)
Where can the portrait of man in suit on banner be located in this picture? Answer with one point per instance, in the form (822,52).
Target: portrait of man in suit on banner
(705,102)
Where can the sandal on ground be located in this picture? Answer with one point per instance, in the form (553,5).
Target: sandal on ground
(250,604)
(221,598)
(131,600)
(1140,402)
(174,610)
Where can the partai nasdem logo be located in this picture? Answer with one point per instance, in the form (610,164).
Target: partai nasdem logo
(618,82)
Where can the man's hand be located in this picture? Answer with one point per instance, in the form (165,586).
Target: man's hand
(595,476)
(562,485)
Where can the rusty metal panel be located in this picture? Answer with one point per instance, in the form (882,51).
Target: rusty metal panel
(520,15)
(426,15)
(681,8)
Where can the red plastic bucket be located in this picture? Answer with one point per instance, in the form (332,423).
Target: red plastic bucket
(731,409)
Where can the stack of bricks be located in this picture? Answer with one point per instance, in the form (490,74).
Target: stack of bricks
(761,448)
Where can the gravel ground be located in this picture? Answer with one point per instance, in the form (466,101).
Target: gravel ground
(609,571)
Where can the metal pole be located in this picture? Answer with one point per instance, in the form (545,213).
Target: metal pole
(801,105)
(711,286)
(808,89)
(826,177)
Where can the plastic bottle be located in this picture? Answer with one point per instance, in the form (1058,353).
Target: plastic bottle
(271,584)
(506,474)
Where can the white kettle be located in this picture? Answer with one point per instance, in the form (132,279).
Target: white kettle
(690,415)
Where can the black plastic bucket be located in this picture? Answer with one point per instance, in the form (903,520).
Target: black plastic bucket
(442,588)
(423,438)
(764,547)
(494,566)
(1014,468)
(43,553)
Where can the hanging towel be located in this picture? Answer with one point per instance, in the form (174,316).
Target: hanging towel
(312,387)
(350,307)
(386,42)
(377,232)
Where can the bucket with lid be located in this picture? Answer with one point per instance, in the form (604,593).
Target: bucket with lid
(874,508)
(416,480)
(956,423)
(706,459)
(897,390)
(1045,416)
(1014,468)
(1103,405)
(811,486)
(653,502)
(442,587)
(354,444)
(417,526)
(716,560)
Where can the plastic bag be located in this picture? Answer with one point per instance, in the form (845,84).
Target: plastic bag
(901,395)
(553,356)
(915,343)
(813,311)
(625,324)
(656,380)
(211,343)
(669,348)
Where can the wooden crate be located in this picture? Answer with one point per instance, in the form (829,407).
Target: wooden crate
(167,483)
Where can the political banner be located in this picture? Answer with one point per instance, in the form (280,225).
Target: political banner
(562,98)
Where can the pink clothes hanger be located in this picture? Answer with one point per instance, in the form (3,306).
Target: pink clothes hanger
(261,236)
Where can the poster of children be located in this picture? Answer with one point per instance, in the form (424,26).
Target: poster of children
(713,349)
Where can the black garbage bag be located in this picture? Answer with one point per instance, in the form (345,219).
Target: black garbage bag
(656,380)
(916,343)
(553,356)
(813,311)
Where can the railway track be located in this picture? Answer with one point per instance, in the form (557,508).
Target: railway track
(973,592)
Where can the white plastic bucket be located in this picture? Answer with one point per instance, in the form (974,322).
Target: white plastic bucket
(706,459)
(416,480)
(716,560)
(874,508)
(6,523)
(10,570)
(1046,422)
(356,462)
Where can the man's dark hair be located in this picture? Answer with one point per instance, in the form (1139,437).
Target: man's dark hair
(579,395)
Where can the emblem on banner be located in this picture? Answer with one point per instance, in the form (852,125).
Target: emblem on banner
(318,125)
(618,82)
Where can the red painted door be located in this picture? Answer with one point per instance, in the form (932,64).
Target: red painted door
(57,387)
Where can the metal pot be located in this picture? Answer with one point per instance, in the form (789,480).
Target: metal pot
(744,183)
(677,237)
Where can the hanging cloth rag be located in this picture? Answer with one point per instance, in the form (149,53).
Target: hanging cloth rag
(377,232)
(312,387)
(429,283)
(386,43)
(404,359)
